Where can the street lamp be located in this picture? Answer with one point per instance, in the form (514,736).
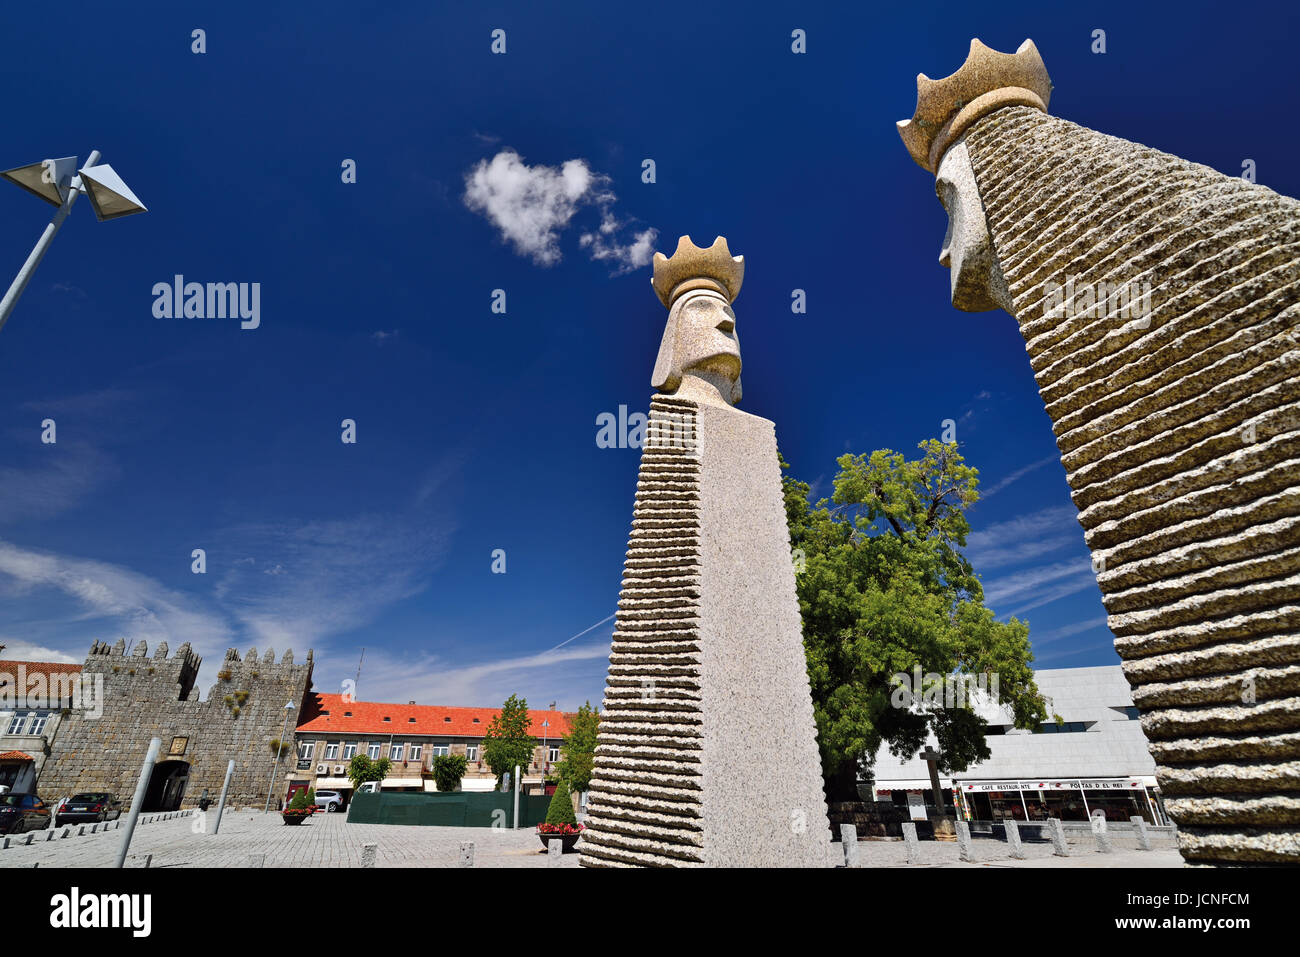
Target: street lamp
(288,710)
(59,183)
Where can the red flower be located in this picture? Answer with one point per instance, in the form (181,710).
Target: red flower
(560,828)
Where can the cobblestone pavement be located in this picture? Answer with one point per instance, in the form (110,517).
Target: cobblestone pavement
(325,840)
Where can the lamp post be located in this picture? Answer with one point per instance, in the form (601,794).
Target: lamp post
(59,182)
(288,709)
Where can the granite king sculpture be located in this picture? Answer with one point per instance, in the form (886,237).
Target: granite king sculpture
(707,752)
(1159,302)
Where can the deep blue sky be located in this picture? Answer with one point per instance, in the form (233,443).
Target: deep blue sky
(477,431)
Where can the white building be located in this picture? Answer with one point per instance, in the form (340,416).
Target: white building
(1095,759)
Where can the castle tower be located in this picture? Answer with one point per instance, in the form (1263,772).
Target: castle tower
(707,752)
(1159,302)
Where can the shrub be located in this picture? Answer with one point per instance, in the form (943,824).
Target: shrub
(561,809)
(448,769)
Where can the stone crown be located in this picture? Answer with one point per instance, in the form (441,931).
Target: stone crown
(691,267)
(987,81)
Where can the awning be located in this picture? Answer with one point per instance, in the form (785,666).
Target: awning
(333,784)
(16,756)
(394,784)
(478,784)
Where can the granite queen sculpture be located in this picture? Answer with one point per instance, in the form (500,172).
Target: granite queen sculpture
(707,665)
(1159,301)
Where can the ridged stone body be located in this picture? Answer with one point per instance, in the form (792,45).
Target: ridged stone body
(707,752)
(1179,428)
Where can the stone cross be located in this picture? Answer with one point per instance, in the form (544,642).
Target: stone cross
(931,757)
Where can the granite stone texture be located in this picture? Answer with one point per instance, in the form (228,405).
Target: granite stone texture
(1159,301)
(707,664)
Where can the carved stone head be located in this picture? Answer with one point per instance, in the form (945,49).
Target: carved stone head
(935,137)
(699,355)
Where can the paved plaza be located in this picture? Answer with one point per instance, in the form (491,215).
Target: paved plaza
(328,840)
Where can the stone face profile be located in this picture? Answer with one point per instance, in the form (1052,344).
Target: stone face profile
(1159,301)
(707,664)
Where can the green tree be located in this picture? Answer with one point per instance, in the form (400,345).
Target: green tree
(506,742)
(560,810)
(578,750)
(362,769)
(884,588)
(448,769)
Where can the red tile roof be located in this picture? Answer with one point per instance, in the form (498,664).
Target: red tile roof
(329,713)
(16,756)
(43,667)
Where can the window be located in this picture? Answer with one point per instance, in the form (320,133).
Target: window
(439,749)
(331,750)
(373,751)
(1066,727)
(396,751)
(471,752)
(305,748)
(553,753)
(16,724)
(37,724)
(417,751)
(350,750)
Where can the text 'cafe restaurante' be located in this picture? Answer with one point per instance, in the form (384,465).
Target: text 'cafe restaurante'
(1070,800)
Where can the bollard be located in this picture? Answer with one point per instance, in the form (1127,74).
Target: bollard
(911,843)
(1140,827)
(49,835)
(221,804)
(6,844)
(849,838)
(963,841)
(66,832)
(368,852)
(1102,835)
(1057,832)
(466,854)
(554,852)
(30,837)
(257,860)
(1013,840)
(142,786)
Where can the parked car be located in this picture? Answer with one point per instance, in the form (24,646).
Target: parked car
(329,800)
(90,807)
(23,812)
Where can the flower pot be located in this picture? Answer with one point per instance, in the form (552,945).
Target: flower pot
(567,841)
(293,818)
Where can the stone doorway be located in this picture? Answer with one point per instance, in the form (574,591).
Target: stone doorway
(167,786)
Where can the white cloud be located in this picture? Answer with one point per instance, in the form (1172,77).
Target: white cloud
(112,602)
(1025,538)
(16,649)
(533,205)
(1015,476)
(1039,586)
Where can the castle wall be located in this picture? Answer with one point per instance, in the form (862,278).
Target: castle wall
(154,696)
